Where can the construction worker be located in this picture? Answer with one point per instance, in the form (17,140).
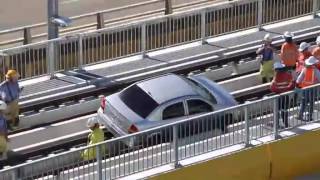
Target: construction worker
(283,81)
(96,135)
(3,131)
(309,75)
(304,54)
(266,52)
(10,92)
(289,52)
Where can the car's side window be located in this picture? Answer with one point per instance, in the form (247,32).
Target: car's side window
(196,106)
(173,111)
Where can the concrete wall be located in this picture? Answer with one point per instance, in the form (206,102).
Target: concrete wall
(282,159)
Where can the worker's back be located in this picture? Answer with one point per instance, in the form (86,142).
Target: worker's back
(96,136)
(289,54)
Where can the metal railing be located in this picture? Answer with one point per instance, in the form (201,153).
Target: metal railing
(140,37)
(91,21)
(174,142)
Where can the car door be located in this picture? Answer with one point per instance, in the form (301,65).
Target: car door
(196,107)
(166,114)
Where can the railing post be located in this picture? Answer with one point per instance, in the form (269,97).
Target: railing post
(203,27)
(260,14)
(247,129)
(14,174)
(51,58)
(143,39)
(315,8)
(276,117)
(27,35)
(168,7)
(80,45)
(99,161)
(4,63)
(100,20)
(176,146)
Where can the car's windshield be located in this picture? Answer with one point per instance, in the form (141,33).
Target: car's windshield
(138,101)
(200,89)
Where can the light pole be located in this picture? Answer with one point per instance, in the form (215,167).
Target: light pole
(54,20)
(53,11)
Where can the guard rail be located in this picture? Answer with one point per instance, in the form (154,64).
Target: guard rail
(92,21)
(77,51)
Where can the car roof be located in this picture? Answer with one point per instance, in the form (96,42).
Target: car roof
(167,87)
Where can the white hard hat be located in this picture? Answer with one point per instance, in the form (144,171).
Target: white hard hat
(92,121)
(311,61)
(318,40)
(303,46)
(287,34)
(3,105)
(267,37)
(278,65)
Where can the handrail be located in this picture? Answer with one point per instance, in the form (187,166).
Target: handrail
(93,25)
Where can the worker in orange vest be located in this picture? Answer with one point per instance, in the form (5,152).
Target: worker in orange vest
(283,81)
(303,55)
(289,52)
(309,76)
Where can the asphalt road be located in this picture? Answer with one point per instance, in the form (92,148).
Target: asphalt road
(15,13)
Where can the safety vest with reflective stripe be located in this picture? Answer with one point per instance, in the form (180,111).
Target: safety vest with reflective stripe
(309,77)
(289,54)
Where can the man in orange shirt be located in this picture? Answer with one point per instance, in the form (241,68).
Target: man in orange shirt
(289,52)
(303,55)
(309,76)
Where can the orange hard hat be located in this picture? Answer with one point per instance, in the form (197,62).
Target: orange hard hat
(12,73)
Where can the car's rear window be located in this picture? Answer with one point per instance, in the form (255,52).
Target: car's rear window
(138,101)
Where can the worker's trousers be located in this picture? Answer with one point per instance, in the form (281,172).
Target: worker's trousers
(308,97)
(12,111)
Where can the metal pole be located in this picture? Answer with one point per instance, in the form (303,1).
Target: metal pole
(80,50)
(27,35)
(99,161)
(14,174)
(260,15)
(315,8)
(247,130)
(51,57)
(176,146)
(52,9)
(203,27)
(276,117)
(168,7)
(100,20)
(143,39)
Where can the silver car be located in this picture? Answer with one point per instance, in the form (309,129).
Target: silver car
(161,100)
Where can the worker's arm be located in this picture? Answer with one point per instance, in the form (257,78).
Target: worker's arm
(260,50)
(300,77)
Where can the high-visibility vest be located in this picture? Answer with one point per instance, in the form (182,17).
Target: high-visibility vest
(289,54)
(96,136)
(309,77)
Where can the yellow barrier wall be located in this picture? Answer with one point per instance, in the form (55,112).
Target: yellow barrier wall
(284,159)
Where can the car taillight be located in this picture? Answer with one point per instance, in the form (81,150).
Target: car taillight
(133,129)
(103,102)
